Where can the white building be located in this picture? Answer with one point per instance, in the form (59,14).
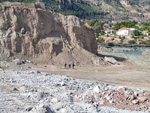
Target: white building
(125,31)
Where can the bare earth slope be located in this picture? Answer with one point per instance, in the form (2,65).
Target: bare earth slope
(44,36)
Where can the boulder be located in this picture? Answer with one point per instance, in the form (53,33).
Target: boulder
(132,97)
(110,60)
(108,98)
(141,92)
(135,101)
(1,69)
(101,102)
(142,99)
(17,61)
(96,89)
(54,100)
(63,110)
(111,101)
(29,109)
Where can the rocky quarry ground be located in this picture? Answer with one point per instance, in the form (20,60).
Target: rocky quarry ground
(31,91)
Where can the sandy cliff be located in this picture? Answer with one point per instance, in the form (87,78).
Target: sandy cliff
(45,36)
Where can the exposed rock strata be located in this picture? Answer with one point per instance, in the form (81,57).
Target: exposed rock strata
(45,36)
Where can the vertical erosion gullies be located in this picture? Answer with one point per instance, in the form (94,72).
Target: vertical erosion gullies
(37,33)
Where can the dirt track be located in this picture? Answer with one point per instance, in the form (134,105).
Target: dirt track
(124,74)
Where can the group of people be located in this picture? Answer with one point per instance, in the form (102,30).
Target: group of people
(69,66)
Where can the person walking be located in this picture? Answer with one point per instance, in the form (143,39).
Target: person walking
(65,65)
(69,66)
(73,65)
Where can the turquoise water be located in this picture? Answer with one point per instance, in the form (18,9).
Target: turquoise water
(139,56)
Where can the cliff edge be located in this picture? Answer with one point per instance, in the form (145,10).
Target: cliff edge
(45,36)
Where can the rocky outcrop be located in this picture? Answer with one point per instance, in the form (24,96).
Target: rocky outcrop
(44,36)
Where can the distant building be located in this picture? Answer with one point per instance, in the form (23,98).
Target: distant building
(125,31)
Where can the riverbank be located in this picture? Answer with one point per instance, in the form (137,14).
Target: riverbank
(109,45)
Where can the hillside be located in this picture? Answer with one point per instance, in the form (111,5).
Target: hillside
(105,10)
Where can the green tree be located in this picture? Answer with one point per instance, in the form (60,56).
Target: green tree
(126,24)
(97,26)
(136,33)
(100,39)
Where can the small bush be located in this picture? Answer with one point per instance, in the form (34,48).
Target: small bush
(147,42)
(138,37)
(122,38)
(135,37)
(110,44)
(141,37)
(136,33)
(132,42)
(100,39)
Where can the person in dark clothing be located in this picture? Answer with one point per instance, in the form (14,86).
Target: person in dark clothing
(73,66)
(65,65)
(69,65)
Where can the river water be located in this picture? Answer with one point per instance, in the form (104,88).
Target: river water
(139,55)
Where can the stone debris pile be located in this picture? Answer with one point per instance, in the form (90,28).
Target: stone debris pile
(17,64)
(121,98)
(40,92)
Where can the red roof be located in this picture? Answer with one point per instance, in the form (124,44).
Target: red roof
(124,28)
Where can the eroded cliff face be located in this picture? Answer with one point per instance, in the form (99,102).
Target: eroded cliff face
(44,36)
